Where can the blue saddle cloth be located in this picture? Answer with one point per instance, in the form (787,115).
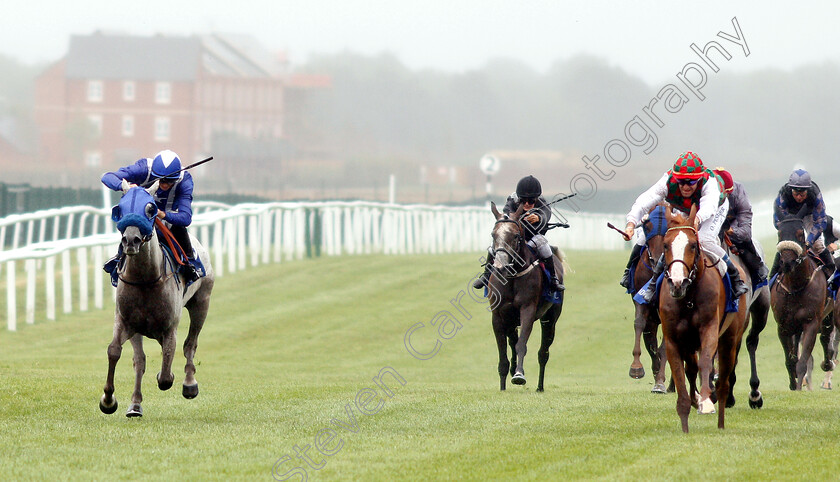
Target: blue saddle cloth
(731,303)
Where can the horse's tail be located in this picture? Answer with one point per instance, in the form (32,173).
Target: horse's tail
(565,267)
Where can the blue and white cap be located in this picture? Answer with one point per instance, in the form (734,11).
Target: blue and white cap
(166,165)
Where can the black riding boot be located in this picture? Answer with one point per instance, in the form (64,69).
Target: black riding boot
(828,262)
(112,263)
(775,268)
(758,271)
(183,238)
(554,282)
(634,258)
(738,285)
(482,280)
(657,270)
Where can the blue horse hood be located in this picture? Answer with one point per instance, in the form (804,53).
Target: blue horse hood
(136,208)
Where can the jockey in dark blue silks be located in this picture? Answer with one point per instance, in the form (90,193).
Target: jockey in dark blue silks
(537,213)
(173,198)
(797,193)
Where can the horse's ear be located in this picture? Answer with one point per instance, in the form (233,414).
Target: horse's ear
(116,214)
(495,211)
(153,188)
(518,213)
(667,212)
(125,186)
(692,215)
(802,211)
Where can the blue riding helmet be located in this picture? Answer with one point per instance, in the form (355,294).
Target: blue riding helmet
(166,165)
(800,179)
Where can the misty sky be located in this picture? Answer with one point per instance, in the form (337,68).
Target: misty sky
(647,38)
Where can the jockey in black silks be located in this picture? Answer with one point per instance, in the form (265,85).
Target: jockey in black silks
(173,199)
(537,213)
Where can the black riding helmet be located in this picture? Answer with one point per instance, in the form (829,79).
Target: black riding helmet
(528,187)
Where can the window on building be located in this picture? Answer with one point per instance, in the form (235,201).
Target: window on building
(94,91)
(163,93)
(162,128)
(128,91)
(95,121)
(93,158)
(128,126)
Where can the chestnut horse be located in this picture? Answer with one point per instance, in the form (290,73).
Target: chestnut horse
(646,322)
(800,302)
(515,293)
(693,320)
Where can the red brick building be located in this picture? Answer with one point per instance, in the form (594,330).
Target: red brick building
(116,98)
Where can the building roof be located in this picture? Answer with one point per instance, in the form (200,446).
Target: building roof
(168,58)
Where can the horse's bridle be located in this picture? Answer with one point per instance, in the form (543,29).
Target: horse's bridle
(513,255)
(692,270)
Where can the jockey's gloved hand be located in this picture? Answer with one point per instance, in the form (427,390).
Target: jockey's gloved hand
(532,218)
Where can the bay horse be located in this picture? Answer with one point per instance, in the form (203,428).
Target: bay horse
(646,322)
(693,316)
(150,297)
(515,292)
(800,302)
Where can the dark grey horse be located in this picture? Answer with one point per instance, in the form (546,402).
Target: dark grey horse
(150,298)
(515,290)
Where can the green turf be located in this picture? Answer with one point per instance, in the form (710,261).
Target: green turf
(288,349)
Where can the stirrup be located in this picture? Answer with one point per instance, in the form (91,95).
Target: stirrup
(556,285)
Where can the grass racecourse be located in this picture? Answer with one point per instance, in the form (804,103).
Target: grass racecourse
(304,374)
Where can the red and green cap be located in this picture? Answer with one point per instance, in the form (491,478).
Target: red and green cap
(688,166)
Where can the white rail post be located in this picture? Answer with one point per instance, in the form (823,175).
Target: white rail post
(97,277)
(50,287)
(30,291)
(82,255)
(67,288)
(11,309)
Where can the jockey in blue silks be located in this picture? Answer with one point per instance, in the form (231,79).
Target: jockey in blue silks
(173,198)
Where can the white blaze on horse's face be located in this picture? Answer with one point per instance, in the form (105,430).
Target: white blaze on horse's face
(504,232)
(677,271)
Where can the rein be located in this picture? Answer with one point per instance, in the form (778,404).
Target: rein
(515,255)
(176,256)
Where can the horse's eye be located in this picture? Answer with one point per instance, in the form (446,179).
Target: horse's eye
(151,210)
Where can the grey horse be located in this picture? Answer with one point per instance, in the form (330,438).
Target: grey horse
(150,298)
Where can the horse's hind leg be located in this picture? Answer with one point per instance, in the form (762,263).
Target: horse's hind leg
(826,329)
(197,308)
(548,329)
(758,316)
(108,402)
(135,410)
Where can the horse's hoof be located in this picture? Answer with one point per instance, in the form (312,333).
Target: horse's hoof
(826,385)
(190,391)
(730,402)
(756,401)
(107,409)
(518,379)
(705,407)
(637,373)
(659,388)
(134,410)
(827,366)
(165,385)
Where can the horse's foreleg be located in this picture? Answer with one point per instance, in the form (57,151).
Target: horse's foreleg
(548,329)
(705,362)
(501,344)
(108,402)
(165,377)
(198,313)
(637,370)
(826,328)
(135,409)
(526,323)
(678,374)
(809,338)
